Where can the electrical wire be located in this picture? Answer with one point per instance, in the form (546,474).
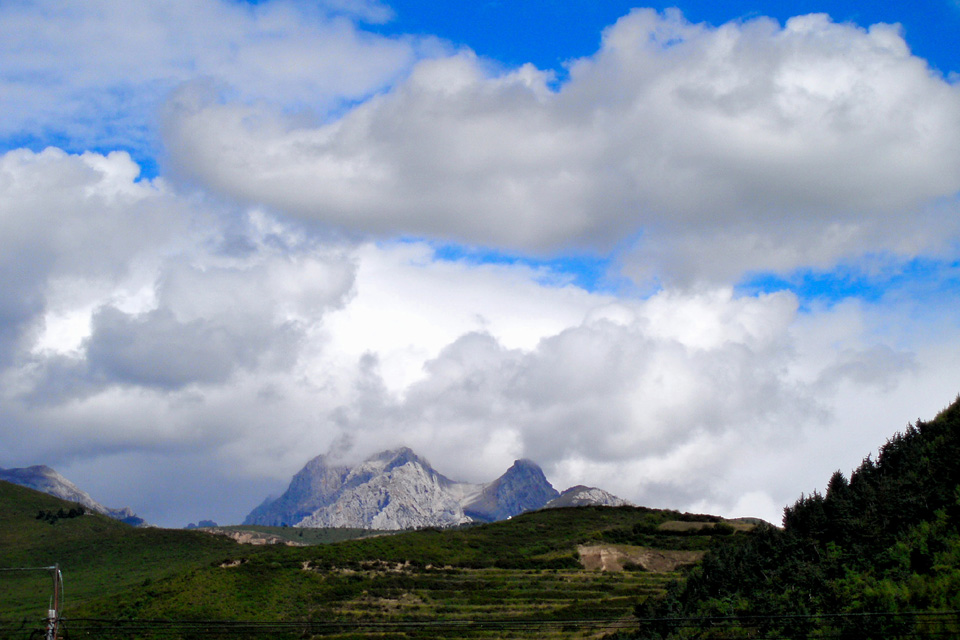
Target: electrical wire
(107,627)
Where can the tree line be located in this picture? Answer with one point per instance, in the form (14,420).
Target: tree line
(875,556)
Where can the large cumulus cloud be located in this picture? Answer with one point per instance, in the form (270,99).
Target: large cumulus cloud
(772,146)
(209,323)
(122,300)
(681,399)
(241,364)
(215,328)
(78,218)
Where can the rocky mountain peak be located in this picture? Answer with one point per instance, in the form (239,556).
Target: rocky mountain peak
(523,487)
(581,496)
(397,489)
(312,488)
(525,468)
(399,457)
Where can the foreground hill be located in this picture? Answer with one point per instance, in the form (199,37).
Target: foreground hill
(398,489)
(877,556)
(527,575)
(97,554)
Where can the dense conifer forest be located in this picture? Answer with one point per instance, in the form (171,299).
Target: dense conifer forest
(876,556)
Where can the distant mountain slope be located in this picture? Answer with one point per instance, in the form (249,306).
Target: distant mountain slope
(312,488)
(400,490)
(522,488)
(581,496)
(392,490)
(43,478)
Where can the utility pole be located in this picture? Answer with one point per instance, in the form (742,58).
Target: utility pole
(53,612)
(56,602)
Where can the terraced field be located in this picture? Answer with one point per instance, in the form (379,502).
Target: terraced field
(564,573)
(492,602)
(457,594)
(409,602)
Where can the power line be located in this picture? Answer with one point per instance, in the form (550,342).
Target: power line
(103,627)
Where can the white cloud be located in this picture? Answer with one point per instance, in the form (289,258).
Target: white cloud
(188,330)
(408,306)
(146,329)
(95,72)
(72,218)
(599,390)
(747,146)
(689,400)
(122,296)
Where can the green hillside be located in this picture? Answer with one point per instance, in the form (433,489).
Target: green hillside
(98,555)
(519,572)
(521,578)
(877,556)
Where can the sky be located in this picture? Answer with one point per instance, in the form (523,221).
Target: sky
(701,256)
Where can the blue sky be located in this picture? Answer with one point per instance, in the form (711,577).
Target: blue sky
(636,244)
(549,33)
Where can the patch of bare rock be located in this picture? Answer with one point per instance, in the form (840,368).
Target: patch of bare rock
(615,557)
(251,537)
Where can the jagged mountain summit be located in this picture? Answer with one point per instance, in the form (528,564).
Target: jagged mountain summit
(522,488)
(43,478)
(400,490)
(581,496)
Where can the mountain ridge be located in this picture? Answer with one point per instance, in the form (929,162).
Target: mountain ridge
(46,479)
(583,496)
(398,489)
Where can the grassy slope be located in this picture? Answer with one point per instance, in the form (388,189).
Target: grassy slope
(522,569)
(97,555)
(525,568)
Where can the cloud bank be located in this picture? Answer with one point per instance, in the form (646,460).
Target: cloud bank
(279,291)
(774,147)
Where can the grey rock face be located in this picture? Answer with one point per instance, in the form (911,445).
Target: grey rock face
(581,496)
(400,490)
(315,486)
(522,488)
(406,494)
(43,478)
(390,490)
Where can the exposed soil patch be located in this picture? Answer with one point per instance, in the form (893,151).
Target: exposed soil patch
(250,537)
(613,557)
(229,564)
(683,525)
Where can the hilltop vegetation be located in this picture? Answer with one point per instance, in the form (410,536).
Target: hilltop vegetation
(99,555)
(525,572)
(877,556)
